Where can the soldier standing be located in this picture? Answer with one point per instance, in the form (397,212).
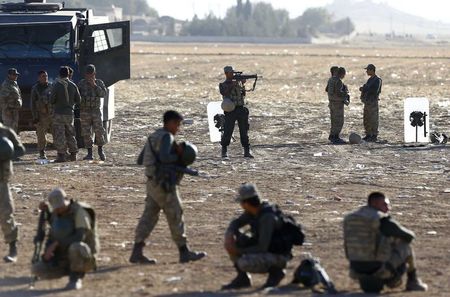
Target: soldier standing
(370,95)
(91,91)
(337,96)
(41,110)
(266,248)
(11,100)
(161,150)
(10,148)
(235,91)
(64,96)
(379,248)
(72,244)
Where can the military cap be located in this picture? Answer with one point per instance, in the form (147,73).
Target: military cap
(247,191)
(90,69)
(58,198)
(228,69)
(370,67)
(12,71)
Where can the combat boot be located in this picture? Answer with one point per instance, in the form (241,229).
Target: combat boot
(101,153)
(248,153)
(75,281)
(137,255)
(73,157)
(225,153)
(186,255)
(42,155)
(338,140)
(61,158)
(89,156)
(241,281)
(276,274)
(414,283)
(367,138)
(12,256)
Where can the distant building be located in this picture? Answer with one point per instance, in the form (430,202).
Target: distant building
(113,13)
(151,26)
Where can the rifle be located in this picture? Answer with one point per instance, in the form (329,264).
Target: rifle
(239,76)
(39,240)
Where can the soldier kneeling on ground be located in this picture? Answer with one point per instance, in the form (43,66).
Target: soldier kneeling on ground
(379,248)
(267,247)
(72,243)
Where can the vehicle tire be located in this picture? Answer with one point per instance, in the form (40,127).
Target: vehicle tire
(370,284)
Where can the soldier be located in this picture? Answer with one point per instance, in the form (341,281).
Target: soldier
(235,91)
(334,72)
(72,244)
(265,249)
(379,248)
(41,110)
(337,96)
(370,93)
(64,96)
(10,148)
(159,151)
(91,91)
(11,100)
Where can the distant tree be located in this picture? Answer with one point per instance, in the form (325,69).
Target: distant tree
(130,7)
(343,27)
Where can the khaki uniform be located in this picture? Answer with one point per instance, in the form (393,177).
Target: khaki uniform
(90,112)
(64,133)
(336,98)
(79,256)
(42,113)
(10,104)
(7,222)
(159,198)
(370,93)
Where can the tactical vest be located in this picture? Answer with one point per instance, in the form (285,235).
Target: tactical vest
(43,105)
(150,161)
(236,95)
(363,240)
(65,226)
(89,98)
(333,93)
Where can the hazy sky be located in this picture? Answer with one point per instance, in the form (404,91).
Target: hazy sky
(185,9)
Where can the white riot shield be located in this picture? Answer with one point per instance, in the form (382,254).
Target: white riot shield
(214,108)
(417,120)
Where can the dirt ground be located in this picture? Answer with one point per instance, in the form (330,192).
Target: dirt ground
(294,167)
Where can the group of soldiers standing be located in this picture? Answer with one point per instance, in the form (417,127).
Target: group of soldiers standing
(52,107)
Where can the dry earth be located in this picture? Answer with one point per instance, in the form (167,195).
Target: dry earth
(289,126)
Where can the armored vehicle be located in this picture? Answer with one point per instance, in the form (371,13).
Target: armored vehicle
(36,35)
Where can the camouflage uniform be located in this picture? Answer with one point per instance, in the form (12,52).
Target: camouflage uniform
(42,112)
(336,97)
(10,103)
(90,112)
(7,222)
(370,93)
(159,198)
(70,257)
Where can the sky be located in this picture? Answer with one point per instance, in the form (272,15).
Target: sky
(438,10)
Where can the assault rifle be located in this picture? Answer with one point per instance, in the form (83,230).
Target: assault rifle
(39,240)
(239,76)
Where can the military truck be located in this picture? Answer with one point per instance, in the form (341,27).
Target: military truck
(36,35)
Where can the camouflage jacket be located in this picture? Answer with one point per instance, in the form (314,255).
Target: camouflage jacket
(91,96)
(40,100)
(335,89)
(6,168)
(10,95)
(234,91)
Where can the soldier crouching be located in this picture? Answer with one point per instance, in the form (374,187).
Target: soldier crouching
(72,243)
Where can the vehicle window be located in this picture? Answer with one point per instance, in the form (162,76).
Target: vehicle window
(115,37)
(100,42)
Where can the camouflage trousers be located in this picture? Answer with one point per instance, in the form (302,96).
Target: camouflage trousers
(42,128)
(371,117)
(91,121)
(79,259)
(260,262)
(64,133)
(7,222)
(10,118)
(170,203)
(336,117)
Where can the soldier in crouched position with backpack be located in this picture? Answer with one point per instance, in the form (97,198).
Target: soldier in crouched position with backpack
(267,247)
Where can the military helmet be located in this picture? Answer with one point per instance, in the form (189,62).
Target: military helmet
(228,105)
(307,274)
(189,153)
(354,138)
(6,149)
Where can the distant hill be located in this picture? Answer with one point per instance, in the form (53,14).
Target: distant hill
(369,16)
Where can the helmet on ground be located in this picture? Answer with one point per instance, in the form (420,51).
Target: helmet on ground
(354,138)
(189,153)
(228,105)
(6,149)
(307,274)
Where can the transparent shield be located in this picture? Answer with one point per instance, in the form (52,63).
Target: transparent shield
(213,109)
(417,120)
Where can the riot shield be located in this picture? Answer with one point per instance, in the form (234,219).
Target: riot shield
(215,118)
